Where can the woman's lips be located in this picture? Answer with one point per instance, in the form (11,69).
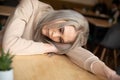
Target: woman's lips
(48,33)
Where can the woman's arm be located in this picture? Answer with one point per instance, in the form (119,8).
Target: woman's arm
(90,62)
(15,27)
(100,69)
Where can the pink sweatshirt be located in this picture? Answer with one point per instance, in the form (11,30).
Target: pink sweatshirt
(18,37)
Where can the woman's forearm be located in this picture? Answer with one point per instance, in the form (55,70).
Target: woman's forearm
(100,69)
(86,60)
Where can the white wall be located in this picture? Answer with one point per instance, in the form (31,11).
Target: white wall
(87,2)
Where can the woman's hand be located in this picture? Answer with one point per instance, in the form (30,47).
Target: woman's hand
(51,48)
(114,77)
(111,74)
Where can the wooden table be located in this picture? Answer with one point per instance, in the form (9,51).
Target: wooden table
(6,10)
(99,22)
(90,13)
(44,67)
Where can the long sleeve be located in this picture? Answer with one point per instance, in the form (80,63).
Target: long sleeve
(88,61)
(82,58)
(15,28)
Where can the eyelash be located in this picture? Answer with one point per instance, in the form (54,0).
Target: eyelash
(61,31)
(61,40)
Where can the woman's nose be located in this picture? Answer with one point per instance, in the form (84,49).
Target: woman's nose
(56,34)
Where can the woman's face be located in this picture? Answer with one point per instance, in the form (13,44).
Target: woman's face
(66,34)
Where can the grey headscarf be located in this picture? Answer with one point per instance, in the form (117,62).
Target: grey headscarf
(72,18)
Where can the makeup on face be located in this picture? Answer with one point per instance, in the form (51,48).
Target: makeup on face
(66,34)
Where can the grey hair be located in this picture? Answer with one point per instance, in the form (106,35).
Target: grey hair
(72,18)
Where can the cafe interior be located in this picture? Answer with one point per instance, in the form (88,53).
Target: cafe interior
(104,40)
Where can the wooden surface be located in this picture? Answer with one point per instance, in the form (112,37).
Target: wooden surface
(99,22)
(6,10)
(44,67)
(90,13)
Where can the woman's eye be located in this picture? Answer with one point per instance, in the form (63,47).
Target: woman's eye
(61,40)
(61,30)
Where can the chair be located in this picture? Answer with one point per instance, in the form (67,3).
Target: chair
(111,41)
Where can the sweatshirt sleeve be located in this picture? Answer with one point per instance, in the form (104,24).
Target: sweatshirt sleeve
(83,58)
(15,26)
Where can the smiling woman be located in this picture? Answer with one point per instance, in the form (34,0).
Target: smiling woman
(74,29)
(60,34)
(36,28)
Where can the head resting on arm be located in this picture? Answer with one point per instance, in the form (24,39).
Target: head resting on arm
(71,18)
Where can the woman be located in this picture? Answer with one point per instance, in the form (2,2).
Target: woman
(35,28)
